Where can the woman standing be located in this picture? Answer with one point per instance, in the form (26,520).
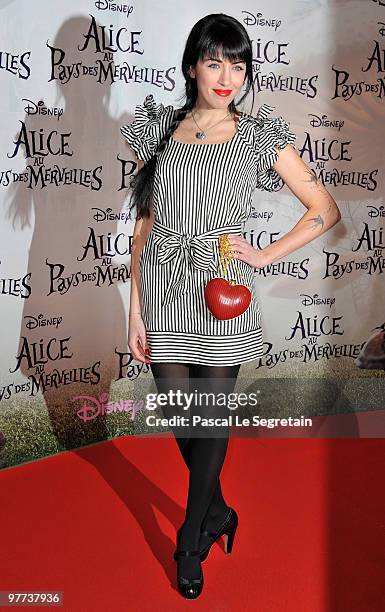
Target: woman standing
(198,166)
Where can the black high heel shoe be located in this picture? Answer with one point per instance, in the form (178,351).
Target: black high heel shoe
(190,588)
(228,529)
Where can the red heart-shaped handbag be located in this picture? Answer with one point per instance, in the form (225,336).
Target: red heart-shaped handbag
(225,299)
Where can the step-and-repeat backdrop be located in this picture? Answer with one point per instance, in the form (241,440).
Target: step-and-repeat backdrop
(71,75)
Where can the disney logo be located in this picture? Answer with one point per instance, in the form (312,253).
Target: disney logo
(252,19)
(108,215)
(101,406)
(40,321)
(376,211)
(325,122)
(311,300)
(41,109)
(261,214)
(114,7)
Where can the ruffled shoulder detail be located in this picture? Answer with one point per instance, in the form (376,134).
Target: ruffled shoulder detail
(263,133)
(148,128)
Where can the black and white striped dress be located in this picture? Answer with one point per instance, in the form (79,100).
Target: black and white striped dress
(201,191)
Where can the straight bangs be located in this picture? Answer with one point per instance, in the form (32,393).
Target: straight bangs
(235,49)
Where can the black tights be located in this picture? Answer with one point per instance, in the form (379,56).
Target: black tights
(203,449)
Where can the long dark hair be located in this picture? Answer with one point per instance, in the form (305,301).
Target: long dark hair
(213,34)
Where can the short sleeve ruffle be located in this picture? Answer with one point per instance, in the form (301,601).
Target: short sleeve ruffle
(148,128)
(263,134)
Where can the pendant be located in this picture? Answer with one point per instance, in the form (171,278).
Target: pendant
(200,135)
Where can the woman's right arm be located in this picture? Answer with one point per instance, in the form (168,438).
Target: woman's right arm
(136,330)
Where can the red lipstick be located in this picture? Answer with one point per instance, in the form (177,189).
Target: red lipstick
(223,92)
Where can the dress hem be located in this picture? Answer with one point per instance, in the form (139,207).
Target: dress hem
(200,362)
(204,349)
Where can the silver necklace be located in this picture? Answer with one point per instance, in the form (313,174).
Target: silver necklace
(202,134)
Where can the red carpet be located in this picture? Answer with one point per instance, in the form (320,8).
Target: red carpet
(99,524)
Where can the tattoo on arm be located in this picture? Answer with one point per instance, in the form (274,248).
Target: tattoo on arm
(316,183)
(317,221)
(312,176)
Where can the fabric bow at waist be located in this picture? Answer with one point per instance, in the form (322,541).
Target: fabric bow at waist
(187,250)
